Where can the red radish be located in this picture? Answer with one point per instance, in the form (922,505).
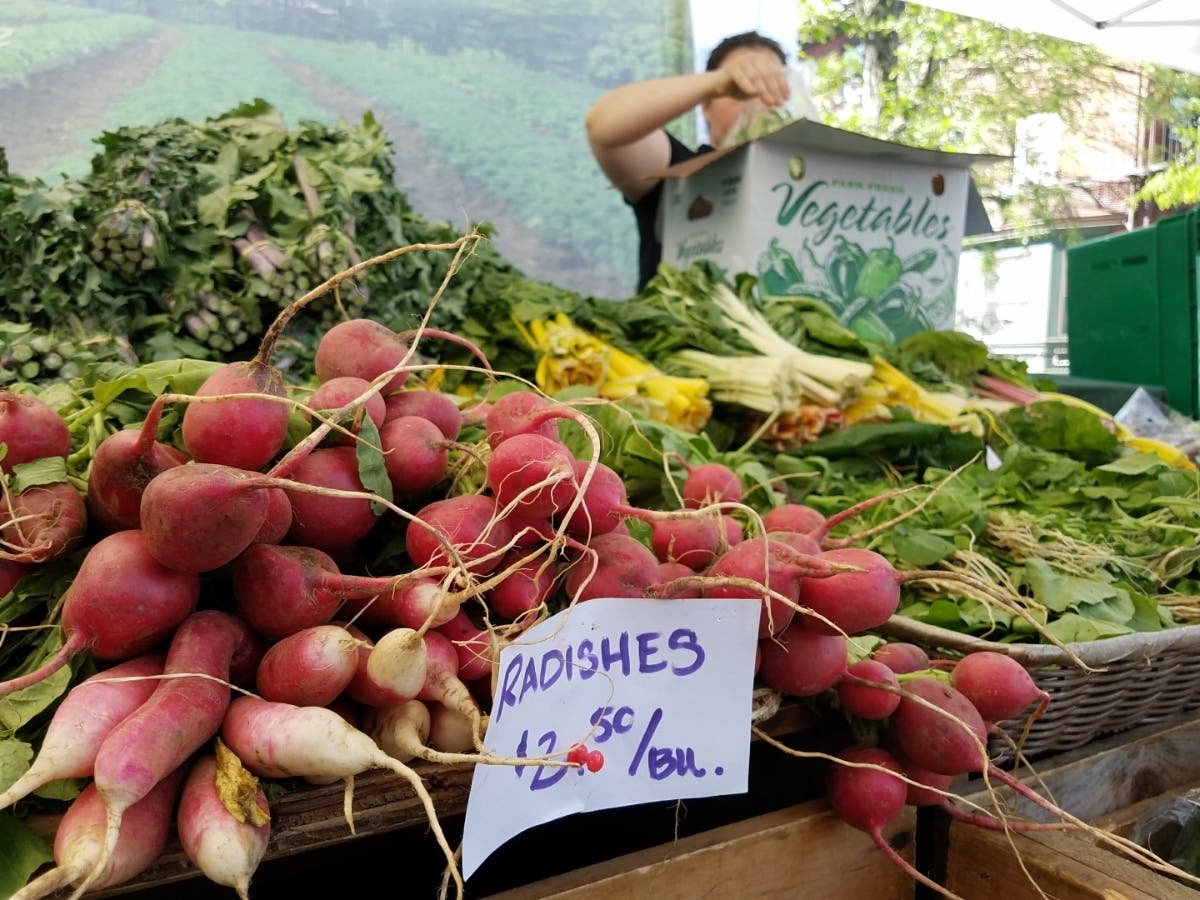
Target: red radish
(415,453)
(245,433)
(766,563)
(863,700)
(86,715)
(309,668)
(41,522)
(227,849)
(198,517)
(411,601)
(361,348)
(802,663)
(734,533)
(79,841)
(443,685)
(901,657)
(279,518)
(997,685)
(122,603)
(950,738)
(472,646)
(122,466)
(468,523)
(30,429)
(529,531)
(801,543)
(602,493)
(183,714)
(435,406)
(278,740)
(341,391)
(853,601)
(689,538)
(282,589)
(532,475)
(12,572)
(929,787)
(864,792)
(613,565)
(519,412)
(525,588)
(710,483)
(332,524)
(669,572)
(795,517)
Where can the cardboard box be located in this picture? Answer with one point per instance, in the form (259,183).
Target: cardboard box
(872,228)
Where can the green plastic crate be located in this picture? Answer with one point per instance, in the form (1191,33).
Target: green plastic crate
(1132,309)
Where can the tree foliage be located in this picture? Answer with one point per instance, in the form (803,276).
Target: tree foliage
(921,76)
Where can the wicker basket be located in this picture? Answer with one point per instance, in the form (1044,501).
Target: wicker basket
(1146,678)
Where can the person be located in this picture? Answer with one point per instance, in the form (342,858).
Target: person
(745,73)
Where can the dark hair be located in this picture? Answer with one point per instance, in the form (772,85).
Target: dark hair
(741,41)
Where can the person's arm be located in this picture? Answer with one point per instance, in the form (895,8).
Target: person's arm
(625,126)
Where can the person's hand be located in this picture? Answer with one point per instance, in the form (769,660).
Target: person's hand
(754,74)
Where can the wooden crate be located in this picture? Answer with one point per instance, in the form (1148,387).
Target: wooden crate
(1108,784)
(802,851)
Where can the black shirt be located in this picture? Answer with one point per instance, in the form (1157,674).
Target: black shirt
(646,210)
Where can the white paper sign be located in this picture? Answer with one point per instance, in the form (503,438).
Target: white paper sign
(661,688)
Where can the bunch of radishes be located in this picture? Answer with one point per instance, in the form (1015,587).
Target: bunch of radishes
(217,563)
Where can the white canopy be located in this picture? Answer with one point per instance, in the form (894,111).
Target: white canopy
(1165,32)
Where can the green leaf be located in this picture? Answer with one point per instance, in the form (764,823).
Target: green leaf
(62,789)
(372,471)
(1136,464)
(1061,592)
(1072,628)
(20,707)
(15,759)
(47,470)
(920,548)
(1118,608)
(21,854)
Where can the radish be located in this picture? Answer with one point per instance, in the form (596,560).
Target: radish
(527,585)
(519,412)
(944,734)
(245,433)
(531,475)
(183,713)
(998,686)
(12,572)
(332,524)
(860,697)
(469,524)
(122,465)
(795,517)
(366,690)
(854,602)
(30,429)
(449,730)
(337,392)
(415,453)
(603,493)
(802,663)
(443,685)
(122,603)
(613,565)
(435,406)
(409,600)
(693,539)
(669,572)
(279,518)
(226,847)
(79,841)
(864,793)
(709,483)
(472,646)
(901,657)
(41,522)
(399,662)
(311,667)
(768,564)
(199,517)
(278,740)
(89,711)
(734,532)
(361,348)
(402,732)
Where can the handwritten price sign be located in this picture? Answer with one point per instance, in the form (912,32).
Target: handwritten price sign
(650,697)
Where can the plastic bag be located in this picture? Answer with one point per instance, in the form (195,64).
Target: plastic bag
(1146,417)
(755,119)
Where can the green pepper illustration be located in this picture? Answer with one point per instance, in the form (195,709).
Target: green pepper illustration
(880,271)
(777,271)
(920,261)
(901,310)
(844,266)
(871,328)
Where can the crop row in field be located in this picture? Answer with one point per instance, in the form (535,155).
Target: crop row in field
(38,47)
